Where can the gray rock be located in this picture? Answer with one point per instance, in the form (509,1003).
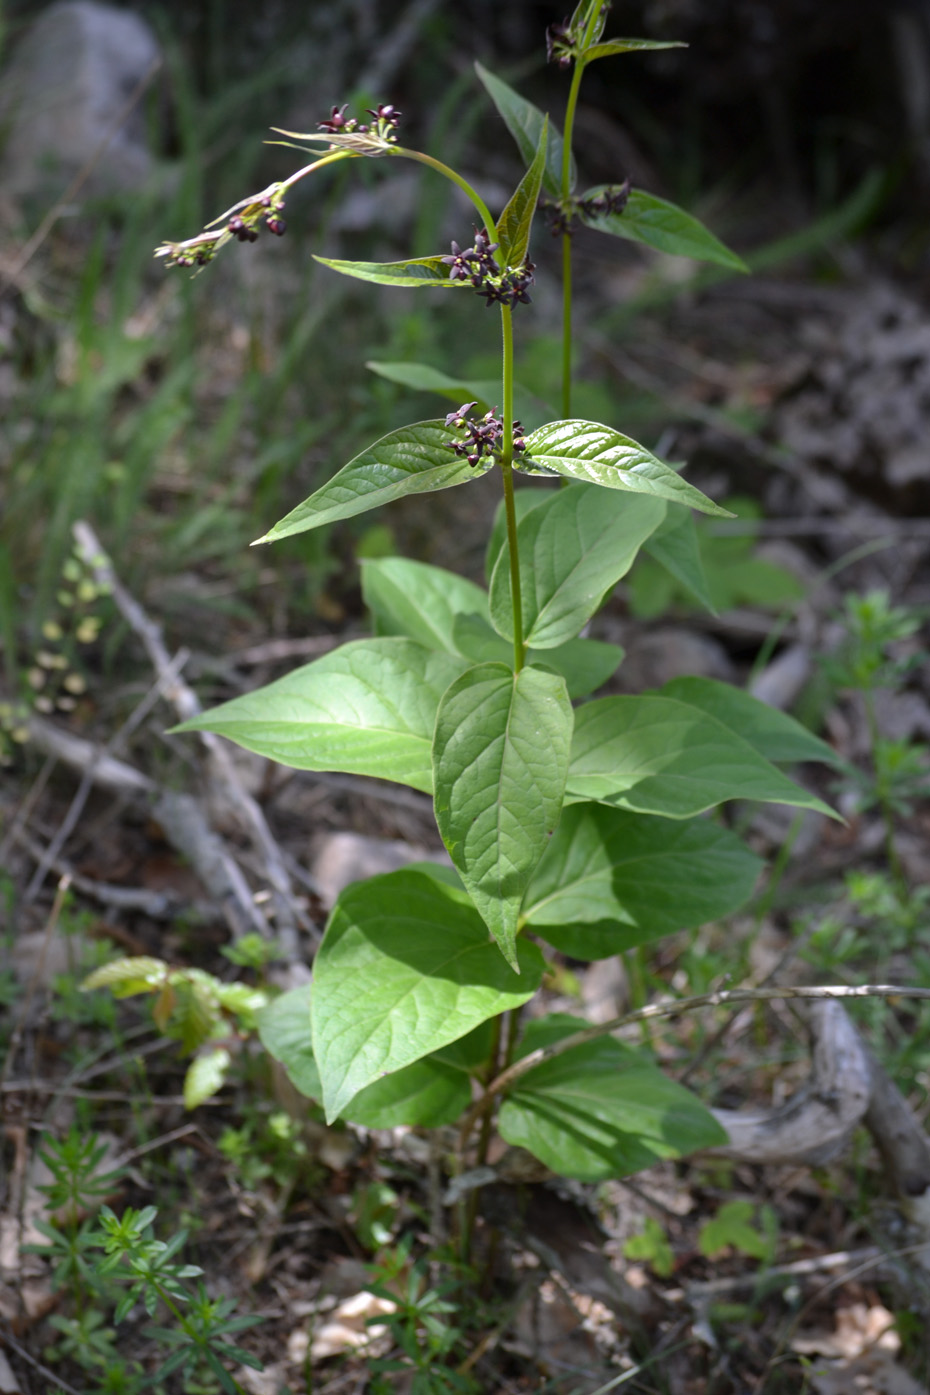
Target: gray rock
(69,80)
(342,858)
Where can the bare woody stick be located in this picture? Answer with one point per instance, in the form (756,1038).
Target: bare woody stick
(186,705)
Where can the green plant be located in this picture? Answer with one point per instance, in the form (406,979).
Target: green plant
(865,662)
(651,1245)
(580,826)
(420,1322)
(202,1013)
(736,1227)
(92,1253)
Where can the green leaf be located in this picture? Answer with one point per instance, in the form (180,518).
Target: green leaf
(515,222)
(674,545)
(126,977)
(413,460)
(423,1095)
(523,501)
(774,734)
(610,880)
(525,123)
(404,969)
(613,46)
(420,601)
(588,451)
(601,1110)
(733,1226)
(664,226)
(354,142)
(573,550)
(284,1032)
(205,1075)
(656,755)
(422,377)
(651,1245)
(367,708)
(427,1094)
(585,664)
(442,610)
(421,271)
(500,752)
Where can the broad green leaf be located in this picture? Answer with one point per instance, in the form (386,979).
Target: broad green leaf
(367,708)
(515,222)
(421,271)
(610,880)
(612,46)
(404,969)
(525,123)
(205,1075)
(585,664)
(588,451)
(656,755)
(470,1053)
(284,1032)
(420,601)
(664,226)
(523,501)
(413,460)
(427,1094)
(573,550)
(674,545)
(126,977)
(500,752)
(442,610)
(601,1110)
(774,734)
(530,410)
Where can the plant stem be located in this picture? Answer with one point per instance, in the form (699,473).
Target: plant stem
(519,648)
(566,192)
(566,325)
(718,998)
(456,178)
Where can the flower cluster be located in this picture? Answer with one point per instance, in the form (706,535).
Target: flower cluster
(243,221)
(562,217)
(482,437)
(386,120)
(499,285)
(246,221)
(560,44)
(611,199)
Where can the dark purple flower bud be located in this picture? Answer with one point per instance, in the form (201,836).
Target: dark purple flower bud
(337,120)
(276,226)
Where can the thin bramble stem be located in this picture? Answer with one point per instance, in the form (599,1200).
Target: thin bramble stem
(719,998)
